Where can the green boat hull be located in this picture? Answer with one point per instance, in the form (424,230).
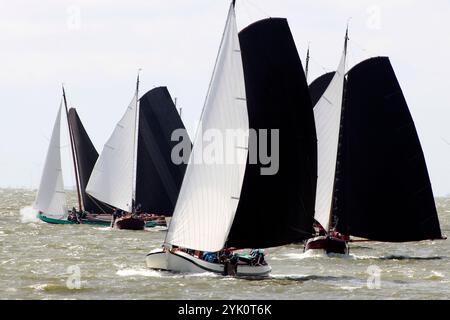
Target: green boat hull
(53,221)
(149,224)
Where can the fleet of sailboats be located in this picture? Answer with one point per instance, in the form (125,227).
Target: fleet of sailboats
(348,163)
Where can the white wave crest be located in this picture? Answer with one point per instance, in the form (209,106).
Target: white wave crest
(28,215)
(139,272)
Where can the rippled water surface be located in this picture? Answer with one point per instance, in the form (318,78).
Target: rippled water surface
(40,261)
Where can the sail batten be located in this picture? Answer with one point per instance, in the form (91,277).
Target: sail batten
(51,197)
(204,211)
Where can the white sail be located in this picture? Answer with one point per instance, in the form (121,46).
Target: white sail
(51,197)
(327,114)
(210,192)
(112,179)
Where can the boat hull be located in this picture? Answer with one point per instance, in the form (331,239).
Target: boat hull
(182,262)
(151,224)
(129,223)
(96,222)
(327,245)
(88,221)
(154,223)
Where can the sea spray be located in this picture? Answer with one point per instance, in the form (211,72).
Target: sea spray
(28,215)
(138,272)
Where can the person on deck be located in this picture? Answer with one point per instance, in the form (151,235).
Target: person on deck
(73,216)
(229,261)
(257,257)
(137,211)
(78,216)
(321,231)
(116,214)
(210,257)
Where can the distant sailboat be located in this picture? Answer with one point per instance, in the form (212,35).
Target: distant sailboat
(134,171)
(51,198)
(222,205)
(373,181)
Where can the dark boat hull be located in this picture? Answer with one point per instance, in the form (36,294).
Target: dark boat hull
(129,223)
(327,244)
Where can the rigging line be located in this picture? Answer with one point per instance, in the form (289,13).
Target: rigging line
(74,150)
(443,139)
(259,9)
(135,141)
(230,12)
(245,10)
(96,203)
(47,138)
(363,49)
(318,64)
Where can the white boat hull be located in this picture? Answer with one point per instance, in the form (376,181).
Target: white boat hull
(182,262)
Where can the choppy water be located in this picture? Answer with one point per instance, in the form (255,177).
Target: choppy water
(38,261)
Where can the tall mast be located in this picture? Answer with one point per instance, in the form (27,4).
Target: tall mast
(136,135)
(333,201)
(307,64)
(74,158)
(346,42)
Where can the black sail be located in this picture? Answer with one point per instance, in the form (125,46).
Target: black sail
(158,179)
(383,191)
(86,158)
(317,87)
(277,209)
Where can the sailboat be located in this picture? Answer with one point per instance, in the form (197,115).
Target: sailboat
(373,181)
(258,83)
(134,172)
(51,198)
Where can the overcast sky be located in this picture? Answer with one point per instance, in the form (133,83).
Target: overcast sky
(96,47)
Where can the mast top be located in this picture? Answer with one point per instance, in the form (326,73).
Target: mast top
(64,92)
(307,63)
(137,81)
(346,35)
